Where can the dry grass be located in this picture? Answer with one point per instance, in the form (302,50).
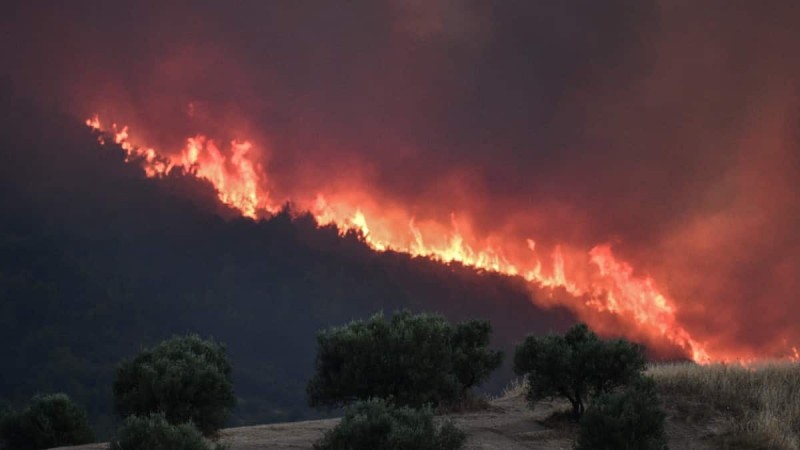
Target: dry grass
(517,387)
(469,404)
(750,407)
(709,407)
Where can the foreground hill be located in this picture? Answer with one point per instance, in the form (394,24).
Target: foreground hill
(708,407)
(508,424)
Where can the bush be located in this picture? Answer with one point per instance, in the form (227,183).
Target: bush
(48,421)
(154,432)
(576,366)
(630,419)
(473,360)
(376,424)
(188,379)
(411,359)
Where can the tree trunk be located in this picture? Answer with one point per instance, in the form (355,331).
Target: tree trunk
(577,407)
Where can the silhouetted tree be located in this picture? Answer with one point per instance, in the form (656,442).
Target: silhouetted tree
(154,432)
(629,418)
(410,359)
(377,424)
(48,421)
(473,360)
(576,366)
(185,378)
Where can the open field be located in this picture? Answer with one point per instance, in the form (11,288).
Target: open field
(708,407)
(506,425)
(754,407)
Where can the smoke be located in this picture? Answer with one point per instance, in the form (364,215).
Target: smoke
(668,129)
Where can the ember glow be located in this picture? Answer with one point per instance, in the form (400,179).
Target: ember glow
(595,281)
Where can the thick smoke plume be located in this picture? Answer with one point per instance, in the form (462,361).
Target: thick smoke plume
(669,130)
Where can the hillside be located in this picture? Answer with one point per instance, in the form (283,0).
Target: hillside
(508,424)
(97,261)
(707,407)
(257,172)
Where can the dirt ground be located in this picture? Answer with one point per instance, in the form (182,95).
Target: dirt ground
(508,424)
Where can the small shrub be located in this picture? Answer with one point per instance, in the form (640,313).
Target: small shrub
(411,359)
(576,366)
(154,432)
(628,419)
(185,378)
(376,424)
(468,403)
(48,421)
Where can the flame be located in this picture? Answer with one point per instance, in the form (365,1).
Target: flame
(596,280)
(235,176)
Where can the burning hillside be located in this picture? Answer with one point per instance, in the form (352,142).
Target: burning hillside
(596,281)
(634,161)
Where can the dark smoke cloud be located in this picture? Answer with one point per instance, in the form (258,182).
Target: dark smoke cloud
(669,128)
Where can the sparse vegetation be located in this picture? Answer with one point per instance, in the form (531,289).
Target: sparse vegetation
(469,403)
(517,387)
(629,418)
(48,421)
(377,424)
(576,366)
(411,360)
(154,432)
(185,378)
(753,407)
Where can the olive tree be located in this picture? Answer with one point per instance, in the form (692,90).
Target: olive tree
(576,366)
(48,421)
(154,432)
(377,424)
(473,360)
(629,418)
(185,378)
(410,359)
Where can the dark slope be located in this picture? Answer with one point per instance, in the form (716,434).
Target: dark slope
(96,261)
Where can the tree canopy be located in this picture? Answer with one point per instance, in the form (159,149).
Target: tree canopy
(409,359)
(377,424)
(187,379)
(47,421)
(576,365)
(630,418)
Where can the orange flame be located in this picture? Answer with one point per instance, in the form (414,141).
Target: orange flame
(236,178)
(601,283)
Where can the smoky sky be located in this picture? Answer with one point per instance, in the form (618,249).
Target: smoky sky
(667,128)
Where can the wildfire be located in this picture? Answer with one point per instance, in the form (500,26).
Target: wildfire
(235,176)
(601,283)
